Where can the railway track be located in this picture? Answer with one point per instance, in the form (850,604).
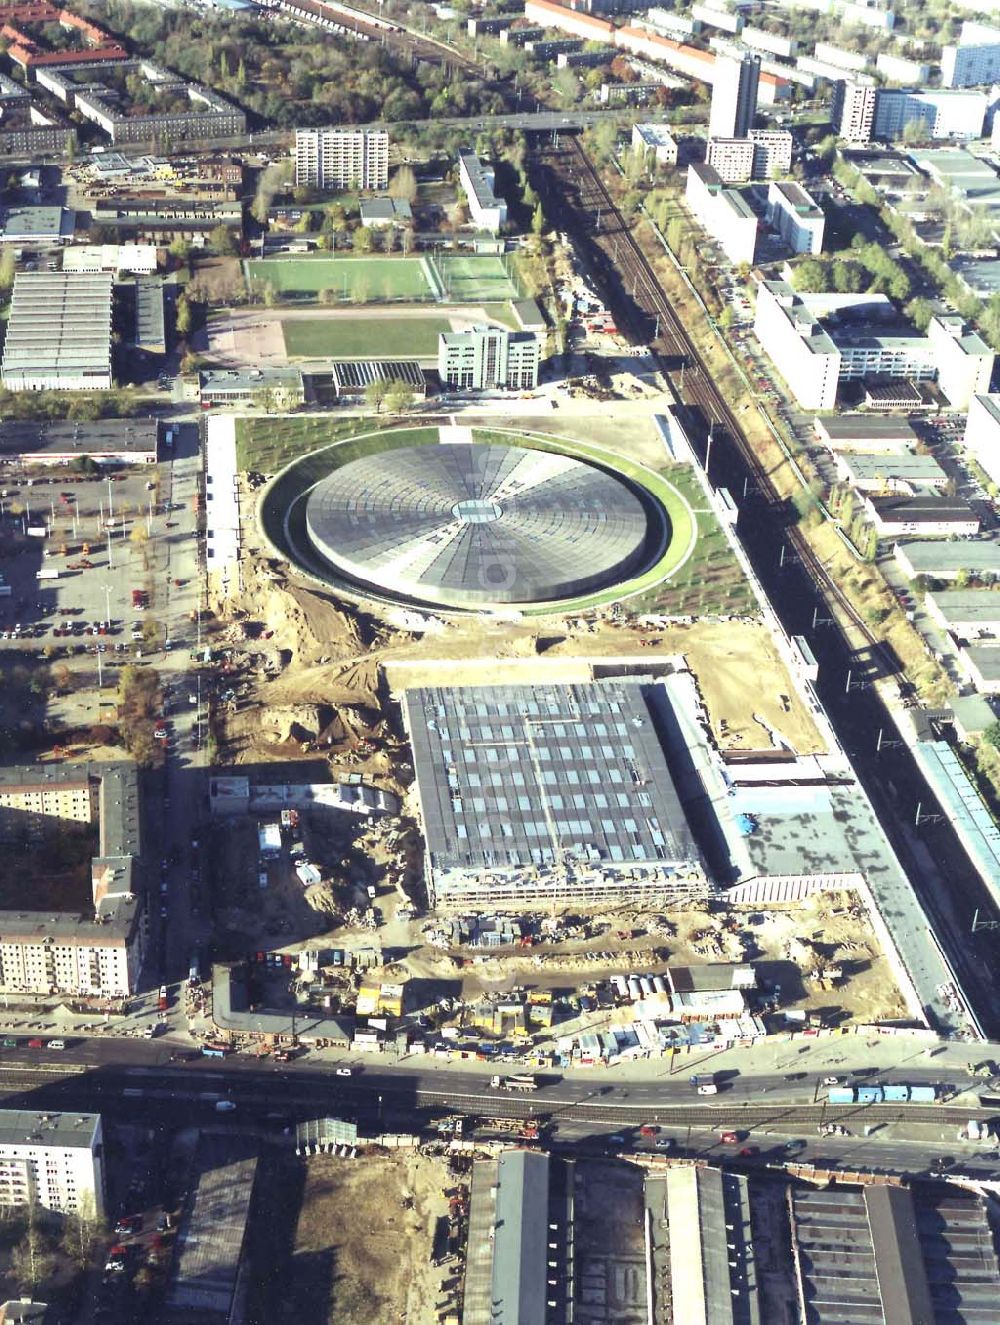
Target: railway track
(655,316)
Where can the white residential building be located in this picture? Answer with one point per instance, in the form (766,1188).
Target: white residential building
(342,158)
(488,212)
(943,112)
(52,1160)
(723,213)
(796,216)
(975,59)
(982,433)
(856,101)
(840,58)
(489,359)
(734,97)
(897,69)
(723,19)
(762,154)
(759,40)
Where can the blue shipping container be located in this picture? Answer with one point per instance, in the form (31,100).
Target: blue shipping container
(922,1094)
(894,1093)
(869,1094)
(841,1095)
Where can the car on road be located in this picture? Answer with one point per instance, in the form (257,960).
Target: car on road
(665,1143)
(224,1106)
(345,1071)
(36,1043)
(729,1138)
(830,1081)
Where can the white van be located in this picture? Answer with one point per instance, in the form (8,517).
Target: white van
(56,1044)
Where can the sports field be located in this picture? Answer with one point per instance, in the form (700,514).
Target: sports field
(355,280)
(364,338)
(474,279)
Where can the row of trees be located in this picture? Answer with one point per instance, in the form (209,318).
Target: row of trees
(863,267)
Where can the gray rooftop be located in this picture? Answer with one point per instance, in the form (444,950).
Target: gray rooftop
(24,1127)
(248,379)
(520,1239)
(982,605)
(125,436)
(150,329)
(918,469)
(513,777)
(940,557)
(477,524)
(60,322)
(976,828)
(927,506)
(213,1229)
(479,180)
(985,659)
(798,198)
(852,426)
(34,223)
(356,374)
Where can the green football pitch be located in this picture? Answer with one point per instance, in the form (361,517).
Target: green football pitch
(364,338)
(355,280)
(473,279)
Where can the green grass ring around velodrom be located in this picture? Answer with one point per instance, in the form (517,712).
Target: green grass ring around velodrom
(280,508)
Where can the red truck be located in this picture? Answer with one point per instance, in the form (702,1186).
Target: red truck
(164,999)
(138,598)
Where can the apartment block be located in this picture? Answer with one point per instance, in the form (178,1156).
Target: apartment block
(52,1160)
(96,947)
(477,179)
(840,58)
(796,216)
(975,59)
(854,105)
(734,97)
(897,69)
(964,360)
(723,213)
(762,154)
(489,359)
(943,113)
(342,158)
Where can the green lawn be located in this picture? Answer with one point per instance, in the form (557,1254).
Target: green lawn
(354,280)
(364,338)
(474,279)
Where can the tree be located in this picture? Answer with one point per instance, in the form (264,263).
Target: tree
(992,735)
(328,296)
(375,393)
(398,397)
(6,268)
(363,239)
(404,184)
(81,1229)
(538,221)
(408,239)
(222,241)
(31,1260)
(183,316)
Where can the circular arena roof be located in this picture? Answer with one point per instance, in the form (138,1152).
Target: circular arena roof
(470,524)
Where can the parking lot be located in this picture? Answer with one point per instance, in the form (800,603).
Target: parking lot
(75,548)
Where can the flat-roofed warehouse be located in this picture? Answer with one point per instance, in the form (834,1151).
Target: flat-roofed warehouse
(107,441)
(353,377)
(546,794)
(873,433)
(59,332)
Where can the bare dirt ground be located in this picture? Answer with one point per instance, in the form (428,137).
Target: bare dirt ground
(363,1241)
(785,943)
(335,657)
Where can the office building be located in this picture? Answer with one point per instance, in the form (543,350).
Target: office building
(975,59)
(95,947)
(928,515)
(723,213)
(52,1160)
(964,361)
(59,332)
(657,139)
(938,560)
(537,795)
(854,108)
(796,216)
(488,212)
(798,345)
(488,359)
(734,97)
(967,613)
(330,159)
(813,357)
(982,433)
